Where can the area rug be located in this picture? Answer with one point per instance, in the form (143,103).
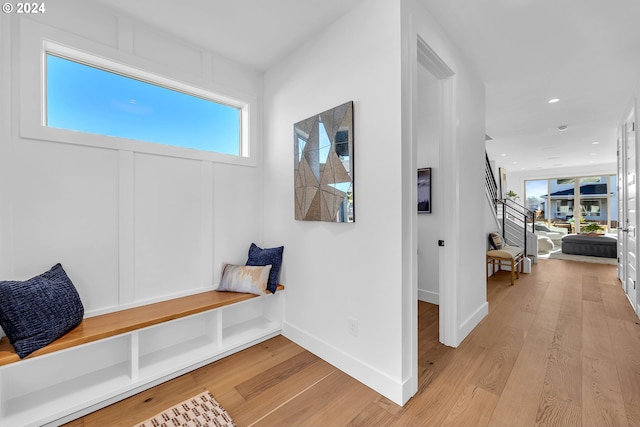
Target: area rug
(557,254)
(199,411)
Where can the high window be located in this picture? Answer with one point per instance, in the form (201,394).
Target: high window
(93,98)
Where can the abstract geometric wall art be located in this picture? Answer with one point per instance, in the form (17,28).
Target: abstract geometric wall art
(323,166)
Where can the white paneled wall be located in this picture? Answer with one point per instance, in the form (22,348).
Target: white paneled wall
(65,209)
(237,210)
(155,45)
(168,218)
(128,227)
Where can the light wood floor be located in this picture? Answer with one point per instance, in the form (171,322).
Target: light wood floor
(560,348)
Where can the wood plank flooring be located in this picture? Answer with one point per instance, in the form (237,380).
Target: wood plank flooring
(560,348)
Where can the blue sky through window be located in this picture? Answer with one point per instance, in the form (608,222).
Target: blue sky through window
(89,99)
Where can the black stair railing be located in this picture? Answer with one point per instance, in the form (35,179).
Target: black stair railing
(516,221)
(490,180)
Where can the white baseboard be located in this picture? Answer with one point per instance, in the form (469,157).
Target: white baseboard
(472,321)
(428,296)
(392,389)
(397,391)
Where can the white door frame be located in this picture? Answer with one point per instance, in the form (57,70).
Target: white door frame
(428,59)
(413,49)
(622,207)
(630,232)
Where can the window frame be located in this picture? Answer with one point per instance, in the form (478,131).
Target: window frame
(607,202)
(37,40)
(568,203)
(584,203)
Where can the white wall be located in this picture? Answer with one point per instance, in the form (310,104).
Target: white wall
(462,169)
(5,135)
(128,227)
(362,271)
(428,155)
(337,272)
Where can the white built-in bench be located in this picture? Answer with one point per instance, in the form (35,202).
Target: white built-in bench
(112,356)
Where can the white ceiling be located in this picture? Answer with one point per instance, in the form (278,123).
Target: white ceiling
(585,52)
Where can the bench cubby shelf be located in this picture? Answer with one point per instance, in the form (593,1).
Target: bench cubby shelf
(56,386)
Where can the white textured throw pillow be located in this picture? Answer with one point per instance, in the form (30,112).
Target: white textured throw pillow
(497,241)
(244,278)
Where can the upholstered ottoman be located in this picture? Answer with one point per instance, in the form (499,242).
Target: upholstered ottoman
(583,244)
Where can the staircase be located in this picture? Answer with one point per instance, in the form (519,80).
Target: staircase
(515,221)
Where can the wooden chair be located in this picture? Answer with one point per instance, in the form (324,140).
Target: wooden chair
(504,255)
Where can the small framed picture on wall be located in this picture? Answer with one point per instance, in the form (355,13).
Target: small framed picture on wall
(424,190)
(503,182)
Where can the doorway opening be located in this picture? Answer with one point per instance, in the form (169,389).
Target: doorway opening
(433,126)
(436,91)
(428,134)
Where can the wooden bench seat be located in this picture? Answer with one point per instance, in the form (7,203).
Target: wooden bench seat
(123,321)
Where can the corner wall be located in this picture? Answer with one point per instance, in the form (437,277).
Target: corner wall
(366,271)
(337,272)
(463,304)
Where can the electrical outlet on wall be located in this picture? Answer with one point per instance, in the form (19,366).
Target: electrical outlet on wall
(353,327)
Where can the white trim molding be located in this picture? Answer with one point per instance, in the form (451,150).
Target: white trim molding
(36,39)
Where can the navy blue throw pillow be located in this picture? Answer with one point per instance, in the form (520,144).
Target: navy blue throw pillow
(267,256)
(38,311)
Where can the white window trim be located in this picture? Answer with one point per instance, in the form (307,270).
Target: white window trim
(36,40)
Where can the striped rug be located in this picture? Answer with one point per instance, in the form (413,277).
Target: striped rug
(199,411)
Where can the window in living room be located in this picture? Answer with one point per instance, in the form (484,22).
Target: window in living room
(85,97)
(574,202)
(534,192)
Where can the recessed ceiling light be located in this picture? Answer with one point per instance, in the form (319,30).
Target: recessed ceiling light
(593,154)
(503,155)
(595,143)
(553,100)
(515,163)
(562,128)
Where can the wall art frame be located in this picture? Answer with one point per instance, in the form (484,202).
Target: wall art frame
(323,166)
(424,190)
(502,174)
